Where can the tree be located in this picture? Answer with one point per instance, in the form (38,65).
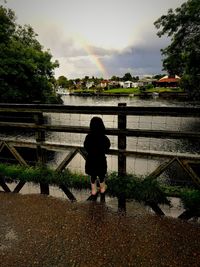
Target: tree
(127,77)
(115,78)
(70,84)
(86,78)
(158,76)
(26,71)
(182,56)
(135,79)
(62,81)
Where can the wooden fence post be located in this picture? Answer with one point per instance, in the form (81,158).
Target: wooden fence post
(122,122)
(41,152)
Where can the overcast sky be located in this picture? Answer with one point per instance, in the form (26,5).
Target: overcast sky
(98,38)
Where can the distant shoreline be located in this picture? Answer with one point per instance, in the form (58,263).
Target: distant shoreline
(166,95)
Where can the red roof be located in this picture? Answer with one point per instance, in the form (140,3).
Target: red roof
(169,80)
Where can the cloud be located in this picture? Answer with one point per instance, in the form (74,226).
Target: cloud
(62,44)
(77,67)
(140,59)
(136,59)
(119,34)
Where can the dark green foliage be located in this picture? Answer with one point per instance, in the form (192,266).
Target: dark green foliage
(45,175)
(182,56)
(117,184)
(127,77)
(26,70)
(73,180)
(174,191)
(142,190)
(149,86)
(149,190)
(7,25)
(62,81)
(191,200)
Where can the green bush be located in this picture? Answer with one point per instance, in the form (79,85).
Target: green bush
(44,175)
(133,187)
(149,86)
(143,190)
(191,199)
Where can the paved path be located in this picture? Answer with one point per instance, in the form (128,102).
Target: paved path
(42,231)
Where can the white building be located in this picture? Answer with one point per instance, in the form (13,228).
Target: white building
(129,84)
(89,84)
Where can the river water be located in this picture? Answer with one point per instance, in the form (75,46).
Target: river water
(138,166)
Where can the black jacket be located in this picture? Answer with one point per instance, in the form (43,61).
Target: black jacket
(96,146)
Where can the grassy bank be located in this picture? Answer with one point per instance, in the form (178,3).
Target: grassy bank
(136,91)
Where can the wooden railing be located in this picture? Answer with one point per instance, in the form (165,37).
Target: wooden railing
(39,126)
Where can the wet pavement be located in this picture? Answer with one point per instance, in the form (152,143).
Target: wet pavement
(38,230)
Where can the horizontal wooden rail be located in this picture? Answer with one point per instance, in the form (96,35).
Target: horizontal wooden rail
(139,152)
(109,131)
(104,110)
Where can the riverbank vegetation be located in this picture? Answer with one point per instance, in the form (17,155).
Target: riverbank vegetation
(141,189)
(182,56)
(136,91)
(26,70)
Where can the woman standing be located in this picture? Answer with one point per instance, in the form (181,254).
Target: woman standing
(96,145)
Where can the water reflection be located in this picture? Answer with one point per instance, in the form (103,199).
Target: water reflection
(98,209)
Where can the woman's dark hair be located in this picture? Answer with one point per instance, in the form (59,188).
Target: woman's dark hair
(97,125)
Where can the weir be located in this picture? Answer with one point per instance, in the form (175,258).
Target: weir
(36,123)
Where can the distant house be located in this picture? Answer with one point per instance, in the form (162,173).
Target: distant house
(168,81)
(79,84)
(146,81)
(61,91)
(129,84)
(89,84)
(113,84)
(121,84)
(104,83)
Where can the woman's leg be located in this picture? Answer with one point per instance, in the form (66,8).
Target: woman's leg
(102,184)
(93,185)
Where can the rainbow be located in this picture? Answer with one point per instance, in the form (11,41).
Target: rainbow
(93,57)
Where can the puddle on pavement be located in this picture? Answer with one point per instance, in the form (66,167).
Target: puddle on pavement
(133,207)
